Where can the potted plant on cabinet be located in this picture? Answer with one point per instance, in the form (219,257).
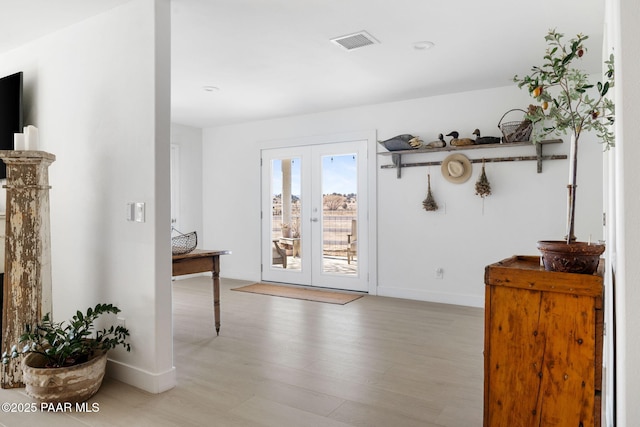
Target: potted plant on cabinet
(65,362)
(566,104)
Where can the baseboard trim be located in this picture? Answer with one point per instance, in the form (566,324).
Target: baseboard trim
(454,299)
(147,381)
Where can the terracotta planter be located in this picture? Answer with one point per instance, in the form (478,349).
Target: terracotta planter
(574,257)
(69,384)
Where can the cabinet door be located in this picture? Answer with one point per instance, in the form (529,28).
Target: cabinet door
(541,358)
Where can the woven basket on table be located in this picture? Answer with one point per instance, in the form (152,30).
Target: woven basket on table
(183,243)
(515,131)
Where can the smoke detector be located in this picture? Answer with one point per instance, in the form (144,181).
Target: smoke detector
(355,40)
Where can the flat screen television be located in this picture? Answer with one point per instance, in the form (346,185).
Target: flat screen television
(11,120)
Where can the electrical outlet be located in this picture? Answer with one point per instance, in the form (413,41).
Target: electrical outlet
(121,321)
(439,273)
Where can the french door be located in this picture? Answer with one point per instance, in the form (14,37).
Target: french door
(314,216)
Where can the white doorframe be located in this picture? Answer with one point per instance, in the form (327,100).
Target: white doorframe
(370,271)
(175,185)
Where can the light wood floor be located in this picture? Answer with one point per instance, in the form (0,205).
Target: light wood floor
(289,363)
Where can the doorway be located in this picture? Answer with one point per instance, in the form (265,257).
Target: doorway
(314,215)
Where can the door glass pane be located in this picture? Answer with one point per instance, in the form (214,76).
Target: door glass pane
(285,214)
(339,214)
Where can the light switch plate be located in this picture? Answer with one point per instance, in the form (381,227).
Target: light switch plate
(139,212)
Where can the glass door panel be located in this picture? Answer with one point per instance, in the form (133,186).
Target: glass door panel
(286,206)
(339,214)
(285,236)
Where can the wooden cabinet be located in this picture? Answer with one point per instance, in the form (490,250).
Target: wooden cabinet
(543,345)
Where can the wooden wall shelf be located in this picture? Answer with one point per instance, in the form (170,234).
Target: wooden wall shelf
(396,156)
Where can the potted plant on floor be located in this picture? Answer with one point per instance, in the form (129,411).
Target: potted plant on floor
(566,103)
(65,362)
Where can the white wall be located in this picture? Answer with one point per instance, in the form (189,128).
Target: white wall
(626,176)
(189,139)
(99,93)
(525,206)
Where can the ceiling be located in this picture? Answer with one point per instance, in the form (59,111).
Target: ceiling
(274,58)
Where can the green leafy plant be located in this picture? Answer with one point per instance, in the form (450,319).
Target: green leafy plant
(568,102)
(563,92)
(72,343)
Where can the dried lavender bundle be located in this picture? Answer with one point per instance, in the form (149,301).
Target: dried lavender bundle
(483,188)
(429,204)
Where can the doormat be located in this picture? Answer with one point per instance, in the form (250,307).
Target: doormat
(296,292)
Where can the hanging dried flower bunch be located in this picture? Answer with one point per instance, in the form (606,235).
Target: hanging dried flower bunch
(483,188)
(429,204)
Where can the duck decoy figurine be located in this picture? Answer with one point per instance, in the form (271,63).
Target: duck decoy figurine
(437,144)
(402,142)
(456,141)
(485,139)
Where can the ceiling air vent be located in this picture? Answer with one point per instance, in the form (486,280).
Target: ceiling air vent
(355,40)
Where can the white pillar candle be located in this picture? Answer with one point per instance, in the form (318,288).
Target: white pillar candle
(18,141)
(31,137)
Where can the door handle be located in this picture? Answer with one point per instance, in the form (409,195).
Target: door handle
(314,219)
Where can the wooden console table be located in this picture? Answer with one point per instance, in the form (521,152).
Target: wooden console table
(201,261)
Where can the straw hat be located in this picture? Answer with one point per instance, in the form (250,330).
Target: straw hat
(456,168)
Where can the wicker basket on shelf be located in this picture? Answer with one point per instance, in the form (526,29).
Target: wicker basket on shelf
(183,243)
(515,131)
